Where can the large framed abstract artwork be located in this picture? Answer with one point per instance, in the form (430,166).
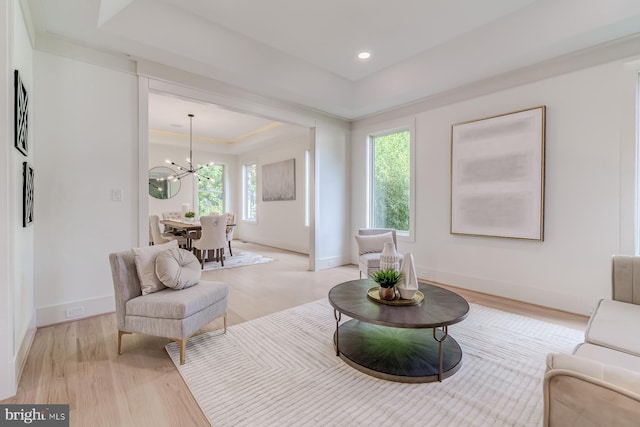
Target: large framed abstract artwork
(497,175)
(27,194)
(21,114)
(279,181)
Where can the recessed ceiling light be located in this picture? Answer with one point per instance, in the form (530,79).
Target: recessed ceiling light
(364,55)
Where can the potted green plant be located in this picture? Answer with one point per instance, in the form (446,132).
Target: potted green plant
(387,280)
(190,215)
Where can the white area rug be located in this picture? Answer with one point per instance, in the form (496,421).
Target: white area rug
(239,259)
(281,370)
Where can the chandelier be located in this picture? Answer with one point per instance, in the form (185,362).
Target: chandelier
(184,171)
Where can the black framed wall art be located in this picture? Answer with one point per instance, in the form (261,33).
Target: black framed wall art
(27,194)
(21,107)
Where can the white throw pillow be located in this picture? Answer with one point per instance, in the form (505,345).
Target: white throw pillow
(145,259)
(178,269)
(370,243)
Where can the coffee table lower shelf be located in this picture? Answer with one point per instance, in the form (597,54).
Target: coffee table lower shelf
(397,354)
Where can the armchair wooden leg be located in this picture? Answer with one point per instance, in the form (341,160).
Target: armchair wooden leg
(221,257)
(230,253)
(120,334)
(183,346)
(225,322)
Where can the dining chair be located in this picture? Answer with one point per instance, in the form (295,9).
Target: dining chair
(231,222)
(213,238)
(158,237)
(173,215)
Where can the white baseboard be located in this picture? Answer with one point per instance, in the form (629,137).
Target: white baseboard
(557,300)
(53,314)
(8,383)
(287,246)
(10,378)
(330,262)
(25,346)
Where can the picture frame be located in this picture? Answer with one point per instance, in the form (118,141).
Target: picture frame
(27,194)
(21,115)
(279,181)
(497,175)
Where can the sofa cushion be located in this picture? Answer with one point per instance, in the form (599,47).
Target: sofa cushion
(613,375)
(608,356)
(613,325)
(373,242)
(177,268)
(177,304)
(145,259)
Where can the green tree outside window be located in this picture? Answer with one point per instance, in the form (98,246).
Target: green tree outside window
(250,192)
(391,181)
(211,192)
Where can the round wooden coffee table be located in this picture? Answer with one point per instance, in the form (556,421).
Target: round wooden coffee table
(398,343)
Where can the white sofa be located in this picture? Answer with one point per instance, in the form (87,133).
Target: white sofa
(599,384)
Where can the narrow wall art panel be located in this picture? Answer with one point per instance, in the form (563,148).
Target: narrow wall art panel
(279,181)
(497,176)
(27,194)
(21,101)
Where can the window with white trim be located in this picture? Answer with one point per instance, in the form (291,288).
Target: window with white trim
(210,189)
(249,191)
(390,191)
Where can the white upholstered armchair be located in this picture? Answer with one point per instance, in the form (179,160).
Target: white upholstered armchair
(172,313)
(370,245)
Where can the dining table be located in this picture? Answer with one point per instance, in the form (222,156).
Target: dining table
(184,227)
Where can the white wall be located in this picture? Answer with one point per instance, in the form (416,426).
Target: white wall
(279,223)
(87,146)
(333,196)
(7,217)
(589,202)
(17,318)
(24,237)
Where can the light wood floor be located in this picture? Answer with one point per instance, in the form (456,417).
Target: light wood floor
(76,363)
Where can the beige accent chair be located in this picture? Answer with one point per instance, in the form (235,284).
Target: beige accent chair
(599,384)
(213,237)
(231,219)
(176,314)
(158,237)
(369,251)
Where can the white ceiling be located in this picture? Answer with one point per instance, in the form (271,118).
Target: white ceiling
(214,128)
(330,33)
(304,51)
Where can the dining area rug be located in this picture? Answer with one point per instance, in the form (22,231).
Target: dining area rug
(281,370)
(239,258)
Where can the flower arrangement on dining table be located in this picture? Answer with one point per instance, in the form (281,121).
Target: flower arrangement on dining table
(189,216)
